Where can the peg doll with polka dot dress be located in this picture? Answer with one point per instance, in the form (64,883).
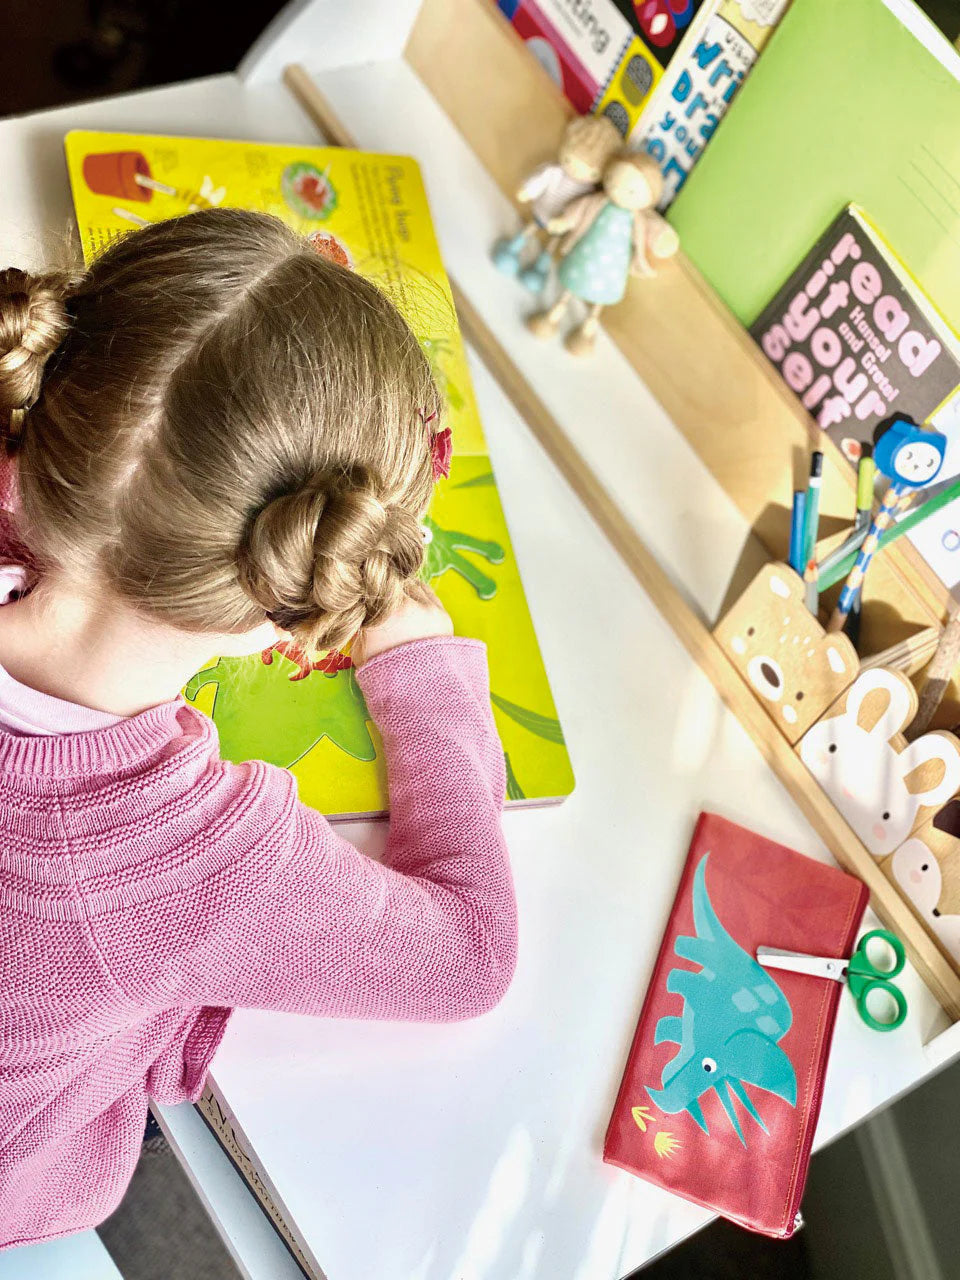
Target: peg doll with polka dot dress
(609,235)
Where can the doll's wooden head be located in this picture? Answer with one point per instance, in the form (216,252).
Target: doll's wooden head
(633,180)
(588,143)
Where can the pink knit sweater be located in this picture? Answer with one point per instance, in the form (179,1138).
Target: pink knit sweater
(147,888)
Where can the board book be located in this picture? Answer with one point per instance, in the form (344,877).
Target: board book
(369,213)
(855,338)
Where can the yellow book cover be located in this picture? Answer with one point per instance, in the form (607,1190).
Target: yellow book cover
(369,213)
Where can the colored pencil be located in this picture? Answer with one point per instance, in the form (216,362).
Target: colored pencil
(845,554)
(796,530)
(811,596)
(866,471)
(832,570)
(895,497)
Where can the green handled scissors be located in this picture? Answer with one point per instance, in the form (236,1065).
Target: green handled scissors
(860,974)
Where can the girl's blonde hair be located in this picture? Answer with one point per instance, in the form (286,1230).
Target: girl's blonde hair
(230,428)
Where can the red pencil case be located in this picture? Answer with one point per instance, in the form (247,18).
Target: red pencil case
(722,1089)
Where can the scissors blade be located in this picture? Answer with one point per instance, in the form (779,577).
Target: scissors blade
(799,962)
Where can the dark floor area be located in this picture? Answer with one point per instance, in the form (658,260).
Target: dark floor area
(161,1230)
(69,50)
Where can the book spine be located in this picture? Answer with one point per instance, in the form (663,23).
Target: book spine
(579,43)
(692,100)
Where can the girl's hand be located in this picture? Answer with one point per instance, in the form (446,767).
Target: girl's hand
(418,618)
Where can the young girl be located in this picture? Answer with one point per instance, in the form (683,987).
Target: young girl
(222,439)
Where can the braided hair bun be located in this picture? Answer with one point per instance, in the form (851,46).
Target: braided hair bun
(33,323)
(330,557)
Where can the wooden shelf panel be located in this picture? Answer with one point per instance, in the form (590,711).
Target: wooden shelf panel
(698,361)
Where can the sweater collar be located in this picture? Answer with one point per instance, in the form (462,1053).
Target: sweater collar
(101,750)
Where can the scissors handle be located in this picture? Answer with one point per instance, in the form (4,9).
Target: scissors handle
(863,977)
(894,993)
(861,968)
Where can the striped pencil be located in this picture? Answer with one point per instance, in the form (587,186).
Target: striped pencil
(896,497)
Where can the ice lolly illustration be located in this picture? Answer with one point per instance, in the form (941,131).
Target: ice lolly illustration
(123,174)
(129,216)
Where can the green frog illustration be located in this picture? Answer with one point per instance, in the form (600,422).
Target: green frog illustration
(262,713)
(443,547)
(278,706)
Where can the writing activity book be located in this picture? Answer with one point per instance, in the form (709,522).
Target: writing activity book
(368,213)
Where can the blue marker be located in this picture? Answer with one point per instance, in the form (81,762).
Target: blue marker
(796,531)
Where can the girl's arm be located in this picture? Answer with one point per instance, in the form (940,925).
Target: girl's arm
(302,921)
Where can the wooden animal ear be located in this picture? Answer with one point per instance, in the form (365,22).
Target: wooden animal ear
(882,702)
(925,777)
(931,767)
(783,583)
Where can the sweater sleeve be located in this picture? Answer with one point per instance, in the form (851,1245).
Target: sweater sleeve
(430,933)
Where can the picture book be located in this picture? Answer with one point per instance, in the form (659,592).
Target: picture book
(856,338)
(693,96)
(368,213)
(856,101)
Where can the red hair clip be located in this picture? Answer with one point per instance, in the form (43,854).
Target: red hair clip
(441,453)
(441,447)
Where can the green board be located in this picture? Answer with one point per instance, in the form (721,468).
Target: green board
(845,104)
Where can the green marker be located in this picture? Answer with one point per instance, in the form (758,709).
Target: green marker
(866,472)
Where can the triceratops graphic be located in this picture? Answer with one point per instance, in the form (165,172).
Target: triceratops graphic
(733,1016)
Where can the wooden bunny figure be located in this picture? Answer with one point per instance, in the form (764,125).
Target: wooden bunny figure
(588,143)
(610,234)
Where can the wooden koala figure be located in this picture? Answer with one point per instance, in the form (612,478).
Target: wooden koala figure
(926,870)
(883,786)
(793,666)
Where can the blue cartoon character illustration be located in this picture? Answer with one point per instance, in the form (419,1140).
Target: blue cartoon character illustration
(911,457)
(733,1017)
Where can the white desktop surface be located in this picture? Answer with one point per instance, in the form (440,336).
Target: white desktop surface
(472,1151)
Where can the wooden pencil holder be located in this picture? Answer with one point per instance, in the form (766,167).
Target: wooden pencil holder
(883,787)
(795,668)
(846,726)
(926,871)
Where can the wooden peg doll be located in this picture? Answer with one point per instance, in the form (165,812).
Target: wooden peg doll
(611,234)
(588,143)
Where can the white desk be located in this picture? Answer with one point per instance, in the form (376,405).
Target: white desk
(79,1257)
(471,1152)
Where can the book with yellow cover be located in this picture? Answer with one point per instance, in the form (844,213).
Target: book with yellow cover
(369,213)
